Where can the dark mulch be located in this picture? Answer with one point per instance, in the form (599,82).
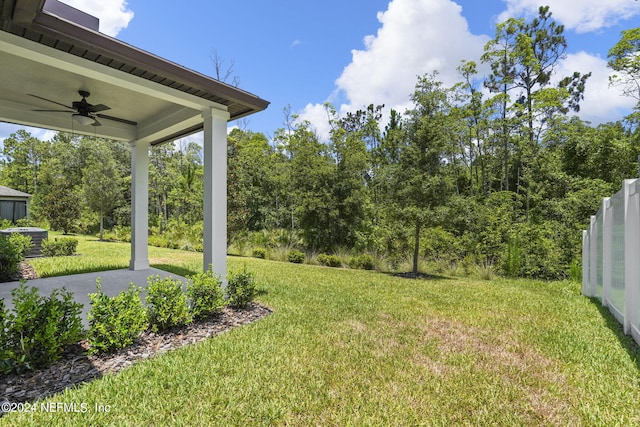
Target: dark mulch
(77,367)
(25,271)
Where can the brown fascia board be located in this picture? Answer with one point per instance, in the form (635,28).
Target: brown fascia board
(25,11)
(113,48)
(55,7)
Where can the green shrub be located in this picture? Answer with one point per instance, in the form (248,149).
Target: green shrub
(241,288)
(60,246)
(41,327)
(533,252)
(6,355)
(575,271)
(167,303)
(205,293)
(364,262)
(10,258)
(122,233)
(22,243)
(329,260)
(296,256)
(260,253)
(115,322)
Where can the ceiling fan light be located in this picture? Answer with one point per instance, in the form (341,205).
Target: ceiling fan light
(83,120)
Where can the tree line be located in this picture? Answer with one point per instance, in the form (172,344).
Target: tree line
(492,172)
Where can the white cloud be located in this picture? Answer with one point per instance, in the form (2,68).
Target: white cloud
(6,129)
(415,37)
(601,103)
(317,116)
(114,15)
(582,16)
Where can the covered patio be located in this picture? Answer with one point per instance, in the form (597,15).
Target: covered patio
(57,71)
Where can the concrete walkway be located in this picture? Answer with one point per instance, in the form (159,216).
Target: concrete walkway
(113,282)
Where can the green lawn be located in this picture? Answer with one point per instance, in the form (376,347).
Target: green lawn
(99,256)
(346,347)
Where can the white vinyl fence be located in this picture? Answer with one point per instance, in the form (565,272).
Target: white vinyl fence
(611,256)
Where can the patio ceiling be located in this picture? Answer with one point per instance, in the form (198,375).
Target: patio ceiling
(51,50)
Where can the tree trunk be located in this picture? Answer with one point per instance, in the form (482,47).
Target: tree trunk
(101,226)
(416,248)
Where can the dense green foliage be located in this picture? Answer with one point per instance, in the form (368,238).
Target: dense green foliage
(295,256)
(38,330)
(329,260)
(167,303)
(461,180)
(205,294)
(242,288)
(115,322)
(13,249)
(59,246)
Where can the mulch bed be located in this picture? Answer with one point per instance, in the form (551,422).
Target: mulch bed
(77,367)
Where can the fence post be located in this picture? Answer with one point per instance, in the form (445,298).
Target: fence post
(593,258)
(607,228)
(586,288)
(631,254)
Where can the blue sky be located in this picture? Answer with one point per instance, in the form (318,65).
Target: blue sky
(354,52)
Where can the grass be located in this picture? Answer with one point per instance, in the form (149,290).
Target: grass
(100,256)
(350,347)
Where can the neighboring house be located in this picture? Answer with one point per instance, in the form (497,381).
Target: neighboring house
(14,204)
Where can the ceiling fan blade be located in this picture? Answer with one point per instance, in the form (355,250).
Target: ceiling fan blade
(55,111)
(97,108)
(96,122)
(117,119)
(48,100)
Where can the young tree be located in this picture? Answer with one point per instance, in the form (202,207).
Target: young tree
(101,184)
(352,172)
(311,178)
(24,155)
(524,56)
(416,183)
(61,206)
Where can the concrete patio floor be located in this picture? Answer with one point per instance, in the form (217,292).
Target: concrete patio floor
(113,282)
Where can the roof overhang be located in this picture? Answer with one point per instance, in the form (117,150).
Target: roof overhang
(47,55)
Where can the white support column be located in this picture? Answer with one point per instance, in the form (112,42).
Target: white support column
(215,191)
(139,206)
(607,272)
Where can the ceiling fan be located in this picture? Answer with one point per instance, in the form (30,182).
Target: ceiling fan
(83,112)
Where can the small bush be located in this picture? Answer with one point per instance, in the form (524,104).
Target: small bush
(260,253)
(23,244)
(205,293)
(6,355)
(122,233)
(40,327)
(10,258)
(241,288)
(364,262)
(63,246)
(296,256)
(167,303)
(115,322)
(329,260)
